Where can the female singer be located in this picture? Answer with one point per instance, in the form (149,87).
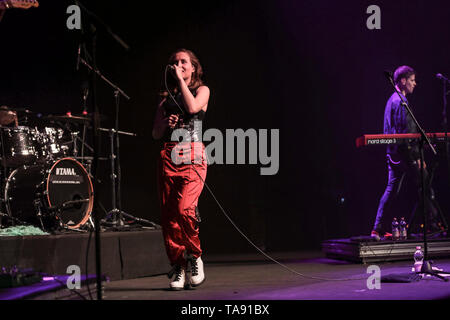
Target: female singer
(183,106)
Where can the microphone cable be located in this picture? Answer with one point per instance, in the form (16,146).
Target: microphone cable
(234,224)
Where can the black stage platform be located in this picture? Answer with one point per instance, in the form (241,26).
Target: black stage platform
(124,254)
(366,250)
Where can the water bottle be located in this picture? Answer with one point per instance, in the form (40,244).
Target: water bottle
(403,231)
(395,230)
(418,259)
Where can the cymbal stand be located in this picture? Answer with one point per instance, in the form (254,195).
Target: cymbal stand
(83,139)
(116,212)
(83,146)
(74,135)
(83,142)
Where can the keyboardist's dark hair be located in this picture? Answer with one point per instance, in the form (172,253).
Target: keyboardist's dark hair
(403,72)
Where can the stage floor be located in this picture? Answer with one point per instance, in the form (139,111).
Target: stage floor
(135,266)
(253,277)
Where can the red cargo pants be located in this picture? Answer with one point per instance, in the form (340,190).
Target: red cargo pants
(179,189)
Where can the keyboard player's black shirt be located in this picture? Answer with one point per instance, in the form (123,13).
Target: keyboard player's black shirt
(397,120)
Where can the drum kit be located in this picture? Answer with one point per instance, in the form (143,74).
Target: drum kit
(45,180)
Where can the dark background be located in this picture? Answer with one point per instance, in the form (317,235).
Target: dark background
(311,69)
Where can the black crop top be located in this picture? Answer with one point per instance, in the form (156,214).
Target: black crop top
(189,122)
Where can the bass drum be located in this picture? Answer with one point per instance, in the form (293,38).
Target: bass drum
(62,193)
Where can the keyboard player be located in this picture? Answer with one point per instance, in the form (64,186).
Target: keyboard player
(403,160)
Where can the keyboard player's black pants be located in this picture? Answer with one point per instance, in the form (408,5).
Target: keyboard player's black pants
(397,171)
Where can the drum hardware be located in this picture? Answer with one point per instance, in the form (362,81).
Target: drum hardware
(56,211)
(37,205)
(88,159)
(15,220)
(75,134)
(85,160)
(67,205)
(115,214)
(54,214)
(76,138)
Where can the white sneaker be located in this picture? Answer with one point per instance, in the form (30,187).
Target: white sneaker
(197,272)
(179,279)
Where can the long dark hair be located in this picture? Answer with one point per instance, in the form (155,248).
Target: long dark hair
(196,80)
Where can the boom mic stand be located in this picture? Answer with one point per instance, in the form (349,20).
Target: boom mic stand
(116,212)
(3,176)
(114,135)
(444,116)
(95,118)
(426,266)
(96,21)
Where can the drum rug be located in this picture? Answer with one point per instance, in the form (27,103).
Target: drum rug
(22,231)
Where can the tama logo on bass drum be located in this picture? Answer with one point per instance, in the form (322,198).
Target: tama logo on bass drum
(65,172)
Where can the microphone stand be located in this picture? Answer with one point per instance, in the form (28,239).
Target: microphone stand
(116,212)
(95,122)
(104,25)
(426,266)
(95,21)
(444,120)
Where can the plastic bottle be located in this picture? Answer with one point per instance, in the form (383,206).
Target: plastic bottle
(395,230)
(403,231)
(418,259)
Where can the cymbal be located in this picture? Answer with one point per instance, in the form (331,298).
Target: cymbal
(76,119)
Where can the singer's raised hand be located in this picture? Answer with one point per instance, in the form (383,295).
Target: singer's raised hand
(178,72)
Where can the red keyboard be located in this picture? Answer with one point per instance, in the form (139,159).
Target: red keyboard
(377,139)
